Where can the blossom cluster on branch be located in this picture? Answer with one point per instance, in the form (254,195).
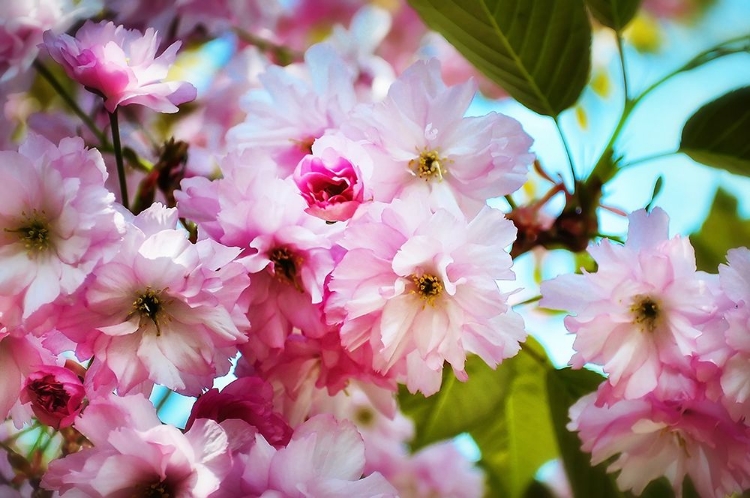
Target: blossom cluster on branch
(307,225)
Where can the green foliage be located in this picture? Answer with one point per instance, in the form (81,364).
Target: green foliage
(718,135)
(722,230)
(615,14)
(565,387)
(505,410)
(537,50)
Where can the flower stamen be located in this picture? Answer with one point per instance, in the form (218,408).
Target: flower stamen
(646,312)
(428,165)
(285,264)
(150,306)
(429,287)
(34,233)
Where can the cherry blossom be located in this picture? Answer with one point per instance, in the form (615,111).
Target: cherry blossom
(120,65)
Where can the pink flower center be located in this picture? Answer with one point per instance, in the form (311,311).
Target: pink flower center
(429,287)
(34,233)
(150,306)
(646,312)
(50,395)
(154,490)
(428,165)
(285,266)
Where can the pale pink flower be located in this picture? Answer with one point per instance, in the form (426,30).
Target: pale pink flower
(135,455)
(297,104)
(163,310)
(324,458)
(22,23)
(56,395)
(652,438)
(640,314)
(421,141)
(120,65)
(419,289)
(286,251)
(57,222)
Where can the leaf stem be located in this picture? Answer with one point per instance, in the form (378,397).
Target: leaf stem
(163,400)
(645,159)
(118,158)
(621,53)
(63,93)
(605,169)
(566,145)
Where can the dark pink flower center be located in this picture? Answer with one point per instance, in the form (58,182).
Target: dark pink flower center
(159,489)
(150,306)
(34,233)
(646,312)
(49,395)
(285,266)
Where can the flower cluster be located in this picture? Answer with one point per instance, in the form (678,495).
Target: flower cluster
(329,242)
(672,343)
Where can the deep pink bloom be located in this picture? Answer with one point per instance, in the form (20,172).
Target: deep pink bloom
(135,455)
(249,399)
(641,313)
(56,395)
(121,65)
(419,289)
(330,179)
(651,438)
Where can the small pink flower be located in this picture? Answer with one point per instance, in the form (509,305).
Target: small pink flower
(330,185)
(56,395)
(120,65)
(249,399)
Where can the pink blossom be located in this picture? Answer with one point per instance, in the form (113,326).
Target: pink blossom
(330,185)
(421,141)
(640,314)
(120,65)
(286,251)
(249,399)
(650,438)
(56,395)
(20,356)
(22,23)
(134,454)
(297,104)
(324,458)
(163,310)
(419,289)
(57,223)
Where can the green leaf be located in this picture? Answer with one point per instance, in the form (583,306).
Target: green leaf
(615,14)
(459,406)
(539,51)
(718,135)
(504,410)
(565,387)
(722,230)
(519,438)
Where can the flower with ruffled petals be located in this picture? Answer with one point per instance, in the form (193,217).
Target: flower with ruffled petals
(57,222)
(163,310)
(135,455)
(419,288)
(652,438)
(640,314)
(420,141)
(56,395)
(120,65)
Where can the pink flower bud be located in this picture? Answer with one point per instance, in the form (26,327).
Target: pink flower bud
(56,395)
(331,185)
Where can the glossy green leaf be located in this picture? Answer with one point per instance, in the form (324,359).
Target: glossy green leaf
(537,50)
(722,230)
(459,406)
(615,14)
(565,387)
(718,135)
(520,438)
